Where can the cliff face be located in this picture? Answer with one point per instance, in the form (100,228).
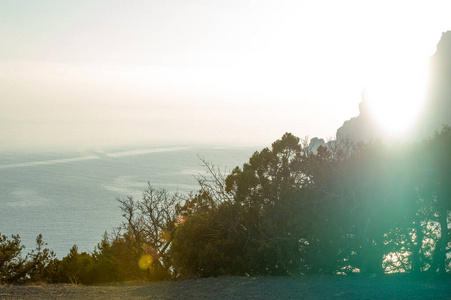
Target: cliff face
(438,106)
(360,128)
(437,109)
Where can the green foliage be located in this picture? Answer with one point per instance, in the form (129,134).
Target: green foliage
(76,267)
(348,208)
(288,211)
(40,263)
(12,264)
(32,267)
(256,226)
(203,246)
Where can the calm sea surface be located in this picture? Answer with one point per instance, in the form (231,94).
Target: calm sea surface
(71,197)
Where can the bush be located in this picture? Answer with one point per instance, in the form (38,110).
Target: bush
(33,267)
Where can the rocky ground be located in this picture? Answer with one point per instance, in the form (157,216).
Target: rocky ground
(315,287)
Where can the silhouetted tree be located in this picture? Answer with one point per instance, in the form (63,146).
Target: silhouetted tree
(148,230)
(436,163)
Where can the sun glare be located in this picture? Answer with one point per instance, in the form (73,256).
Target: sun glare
(395,96)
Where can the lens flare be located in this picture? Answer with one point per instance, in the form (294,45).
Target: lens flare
(396,97)
(145,261)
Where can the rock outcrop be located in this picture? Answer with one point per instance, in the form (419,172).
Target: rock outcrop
(360,128)
(315,143)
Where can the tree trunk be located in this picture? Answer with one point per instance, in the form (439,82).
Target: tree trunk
(416,248)
(439,262)
(442,243)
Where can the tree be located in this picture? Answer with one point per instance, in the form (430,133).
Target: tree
(436,163)
(41,262)
(76,268)
(12,264)
(268,195)
(148,230)
(15,267)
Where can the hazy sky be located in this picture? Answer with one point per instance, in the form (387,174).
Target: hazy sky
(91,73)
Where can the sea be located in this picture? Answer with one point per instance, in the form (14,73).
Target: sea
(70,197)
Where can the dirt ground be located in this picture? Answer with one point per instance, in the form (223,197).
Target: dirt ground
(309,287)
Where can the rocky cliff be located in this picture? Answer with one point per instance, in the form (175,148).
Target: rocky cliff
(437,109)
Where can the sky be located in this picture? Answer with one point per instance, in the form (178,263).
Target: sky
(86,74)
